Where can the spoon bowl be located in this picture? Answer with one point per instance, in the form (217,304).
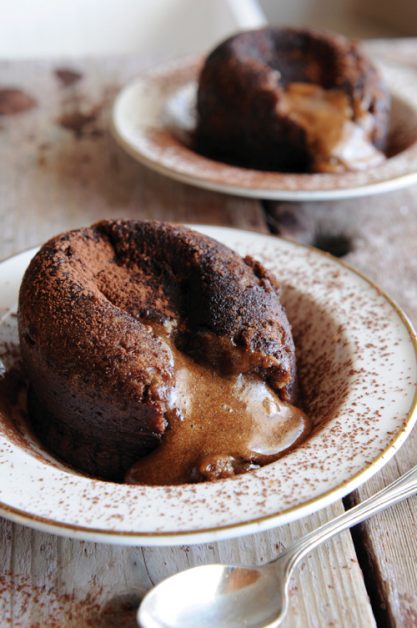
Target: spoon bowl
(215,595)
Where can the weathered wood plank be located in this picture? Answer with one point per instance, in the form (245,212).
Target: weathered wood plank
(53,179)
(381,232)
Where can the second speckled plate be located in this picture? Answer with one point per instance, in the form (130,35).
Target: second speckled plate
(151,114)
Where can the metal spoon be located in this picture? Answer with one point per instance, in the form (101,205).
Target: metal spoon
(232,596)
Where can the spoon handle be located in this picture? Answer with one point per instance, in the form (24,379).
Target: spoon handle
(400,489)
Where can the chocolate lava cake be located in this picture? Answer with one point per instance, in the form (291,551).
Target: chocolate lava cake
(294,100)
(103,310)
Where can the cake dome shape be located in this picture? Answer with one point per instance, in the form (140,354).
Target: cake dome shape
(102,311)
(291,100)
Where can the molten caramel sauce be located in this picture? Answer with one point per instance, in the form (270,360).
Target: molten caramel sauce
(338,142)
(218,426)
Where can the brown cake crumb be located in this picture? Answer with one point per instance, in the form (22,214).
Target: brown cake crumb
(106,312)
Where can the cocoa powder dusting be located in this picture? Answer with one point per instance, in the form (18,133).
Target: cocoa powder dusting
(78,122)
(14,101)
(67,77)
(56,608)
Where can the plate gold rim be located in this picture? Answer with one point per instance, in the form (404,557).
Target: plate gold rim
(354,481)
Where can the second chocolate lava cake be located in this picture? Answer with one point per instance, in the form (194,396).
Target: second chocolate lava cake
(293,100)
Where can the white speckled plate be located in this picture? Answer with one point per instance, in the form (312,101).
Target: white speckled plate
(153,116)
(358,367)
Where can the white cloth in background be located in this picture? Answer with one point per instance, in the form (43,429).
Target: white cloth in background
(159,28)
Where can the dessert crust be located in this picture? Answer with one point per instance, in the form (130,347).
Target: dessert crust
(100,376)
(242,84)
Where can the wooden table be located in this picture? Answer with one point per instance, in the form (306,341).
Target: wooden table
(60,169)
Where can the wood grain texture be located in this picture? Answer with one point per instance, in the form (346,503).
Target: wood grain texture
(54,178)
(60,582)
(381,233)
